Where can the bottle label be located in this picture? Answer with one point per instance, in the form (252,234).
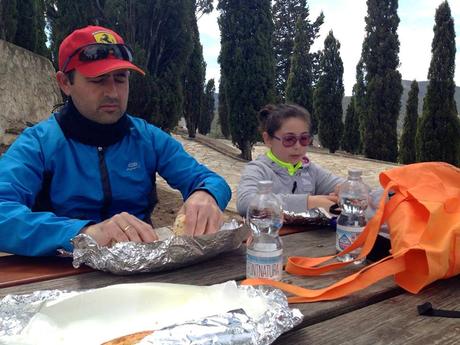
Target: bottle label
(346,235)
(267,265)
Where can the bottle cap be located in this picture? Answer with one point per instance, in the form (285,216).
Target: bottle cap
(355,173)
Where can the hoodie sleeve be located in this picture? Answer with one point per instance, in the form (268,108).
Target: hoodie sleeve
(325,181)
(247,187)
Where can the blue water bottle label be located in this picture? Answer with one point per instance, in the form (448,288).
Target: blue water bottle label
(346,235)
(267,265)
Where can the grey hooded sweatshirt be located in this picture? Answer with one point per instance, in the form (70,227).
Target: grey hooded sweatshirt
(293,190)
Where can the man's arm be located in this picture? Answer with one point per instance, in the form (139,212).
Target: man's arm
(22,231)
(206,194)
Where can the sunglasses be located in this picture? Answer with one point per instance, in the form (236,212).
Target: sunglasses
(98,51)
(290,140)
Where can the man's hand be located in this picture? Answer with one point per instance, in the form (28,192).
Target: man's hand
(202,215)
(324,201)
(122,227)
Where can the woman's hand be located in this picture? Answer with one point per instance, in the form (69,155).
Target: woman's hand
(323,201)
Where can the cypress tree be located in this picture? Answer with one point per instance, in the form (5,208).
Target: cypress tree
(26,28)
(383,81)
(195,75)
(438,133)
(8,20)
(285,16)
(29,25)
(207,114)
(359,97)
(247,64)
(407,142)
(328,95)
(162,33)
(351,136)
(223,109)
(40,37)
(299,89)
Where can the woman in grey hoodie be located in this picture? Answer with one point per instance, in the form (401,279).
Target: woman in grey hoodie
(300,183)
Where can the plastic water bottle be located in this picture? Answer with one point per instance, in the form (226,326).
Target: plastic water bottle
(264,247)
(353,200)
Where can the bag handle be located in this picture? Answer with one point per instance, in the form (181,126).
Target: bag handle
(355,282)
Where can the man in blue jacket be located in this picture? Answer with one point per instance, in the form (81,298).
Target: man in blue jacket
(90,168)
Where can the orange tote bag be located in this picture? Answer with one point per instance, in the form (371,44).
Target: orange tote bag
(423,216)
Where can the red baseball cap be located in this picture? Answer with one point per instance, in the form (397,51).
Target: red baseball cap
(69,58)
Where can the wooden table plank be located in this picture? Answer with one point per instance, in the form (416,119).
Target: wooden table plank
(229,266)
(17,269)
(393,321)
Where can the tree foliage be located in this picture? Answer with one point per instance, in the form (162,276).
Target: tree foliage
(23,23)
(438,133)
(359,97)
(247,64)
(207,113)
(383,81)
(351,136)
(407,142)
(299,88)
(328,95)
(8,20)
(286,13)
(195,76)
(223,109)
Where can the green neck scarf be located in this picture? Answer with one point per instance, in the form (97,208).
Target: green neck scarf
(291,168)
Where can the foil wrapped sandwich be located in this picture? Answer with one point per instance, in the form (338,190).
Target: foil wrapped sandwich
(172,250)
(148,313)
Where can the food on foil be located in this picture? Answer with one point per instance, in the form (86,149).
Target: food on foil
(118,314)
(313,217)
(170,251)
(179,225)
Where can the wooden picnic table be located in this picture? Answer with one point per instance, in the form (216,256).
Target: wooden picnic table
(376,315)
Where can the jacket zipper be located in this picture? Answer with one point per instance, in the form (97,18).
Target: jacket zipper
(105,181)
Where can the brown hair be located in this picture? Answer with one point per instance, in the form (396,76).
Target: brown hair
(272,116)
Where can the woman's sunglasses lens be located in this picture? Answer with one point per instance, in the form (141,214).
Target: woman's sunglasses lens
(289,141)
(304,140)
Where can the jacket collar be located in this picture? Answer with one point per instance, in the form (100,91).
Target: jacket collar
(291,169)
(77,127)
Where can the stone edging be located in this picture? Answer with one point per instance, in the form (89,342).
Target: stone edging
(233,153)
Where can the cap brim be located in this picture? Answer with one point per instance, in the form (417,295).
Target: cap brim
(99,67)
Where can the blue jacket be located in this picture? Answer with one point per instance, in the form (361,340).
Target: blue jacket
(51,186)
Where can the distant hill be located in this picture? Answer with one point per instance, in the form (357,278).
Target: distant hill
(422,85)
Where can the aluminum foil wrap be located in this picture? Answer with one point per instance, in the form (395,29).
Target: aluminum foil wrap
(312,217)
(168,252)
(17,310)
(232,327)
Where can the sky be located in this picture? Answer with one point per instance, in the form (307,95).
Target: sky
(346,19)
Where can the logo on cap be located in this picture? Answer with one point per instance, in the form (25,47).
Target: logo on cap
(104,37)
